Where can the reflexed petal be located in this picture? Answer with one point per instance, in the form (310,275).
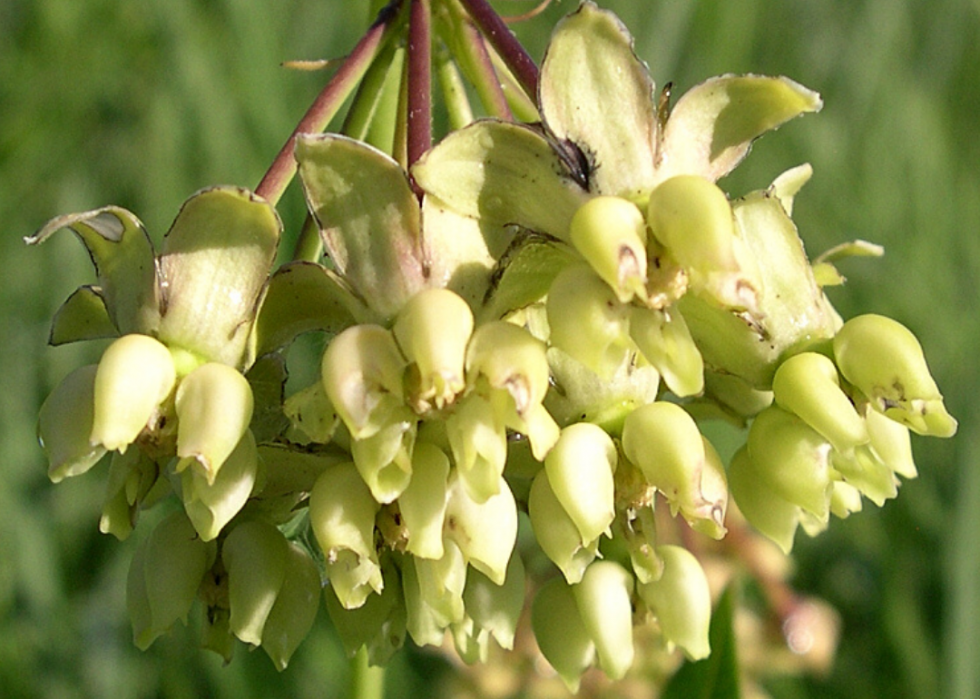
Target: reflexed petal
(596,93)
(503,174)
(83,316)
(303,296)
(123,258)
(712,126)
(368,217)
(215,262)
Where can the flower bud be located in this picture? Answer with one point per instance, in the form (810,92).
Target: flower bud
(664,340)
(587,320)
(883,359)
(254,555)
(423,502)
(362,376)
(491,610)
(681,600)
(342,513)
(485,532)
(610,233)
(421,621)
(378,625)
(478,438)
(556,533)
(214,406)
(441,582)
(793,459)
(294,611)
(135,375)
(561,635)
(771,514)
(890,441)
(433,329)
(807,384)
(603,599)
(384,459)
(210,506)
(580,470)
(164,576)
(64,425)
(664,441)
(693,219)
(510,359)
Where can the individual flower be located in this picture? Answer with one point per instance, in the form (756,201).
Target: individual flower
(172,381)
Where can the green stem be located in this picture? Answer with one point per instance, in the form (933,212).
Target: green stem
(367,681)
(327,103)
(453,91)
(474,56)
(369,94)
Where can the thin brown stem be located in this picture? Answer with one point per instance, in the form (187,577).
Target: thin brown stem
(506,44)
(327,103)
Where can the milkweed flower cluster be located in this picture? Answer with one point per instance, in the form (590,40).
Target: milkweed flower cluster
(540,332)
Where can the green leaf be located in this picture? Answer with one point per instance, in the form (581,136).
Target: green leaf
(713,125)
(215,262)
(368,217)
(83,316)
(502,174)
(715,677)
(123,257)
(301,297)
(596,93)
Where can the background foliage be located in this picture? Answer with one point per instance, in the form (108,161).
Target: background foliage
(142,103)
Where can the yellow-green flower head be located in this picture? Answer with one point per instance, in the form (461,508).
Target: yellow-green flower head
(64,425)
(807,384)
(254,555)
(342,513)
(580,471)
(135,375)
(164,576)
(560,632)
(663,440)
(587,321)
(604,603)
(681,601)
(610,233)
(214,406)
(362,372)
(884,360)
(432,330)
(556,532)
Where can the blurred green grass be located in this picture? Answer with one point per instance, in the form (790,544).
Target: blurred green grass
(140,104)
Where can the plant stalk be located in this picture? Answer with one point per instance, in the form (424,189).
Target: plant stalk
(419,80)
(367,681)
(506,44)
(327,103)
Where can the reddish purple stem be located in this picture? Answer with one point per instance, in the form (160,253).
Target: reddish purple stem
(507,45)
(327,103)
(419,123)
